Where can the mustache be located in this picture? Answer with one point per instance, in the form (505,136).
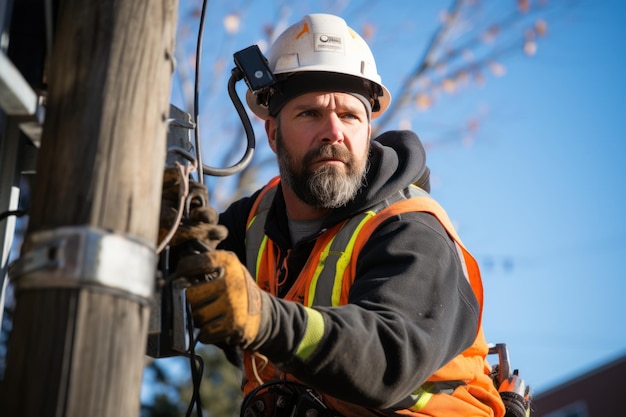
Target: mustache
(328,152)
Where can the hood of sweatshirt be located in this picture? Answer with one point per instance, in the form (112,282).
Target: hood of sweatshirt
(397,159)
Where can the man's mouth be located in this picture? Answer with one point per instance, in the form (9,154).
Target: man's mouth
(330,161)
(330,156)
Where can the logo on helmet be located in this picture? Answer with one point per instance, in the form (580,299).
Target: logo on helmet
(326,42)
(329,38)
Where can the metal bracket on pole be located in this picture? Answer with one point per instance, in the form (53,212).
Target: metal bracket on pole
(16,96)
(18,99)
(86,257)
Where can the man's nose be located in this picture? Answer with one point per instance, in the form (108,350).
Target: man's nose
(333,129)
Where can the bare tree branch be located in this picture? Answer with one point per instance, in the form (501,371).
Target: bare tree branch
(423,63)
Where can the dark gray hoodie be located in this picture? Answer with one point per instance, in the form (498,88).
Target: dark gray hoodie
(410,309)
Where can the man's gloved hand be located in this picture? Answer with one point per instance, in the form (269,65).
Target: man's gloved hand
(200,221)
(227,309)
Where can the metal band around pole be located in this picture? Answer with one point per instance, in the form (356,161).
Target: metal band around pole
(84,256)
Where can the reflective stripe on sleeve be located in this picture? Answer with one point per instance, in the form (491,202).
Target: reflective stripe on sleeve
(312,335)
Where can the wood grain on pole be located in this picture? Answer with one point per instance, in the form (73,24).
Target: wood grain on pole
(78,351)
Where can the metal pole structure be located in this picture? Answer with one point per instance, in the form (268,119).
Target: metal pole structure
(85,274)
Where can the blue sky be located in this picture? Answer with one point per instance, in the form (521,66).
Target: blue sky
(554,201)
(538,196)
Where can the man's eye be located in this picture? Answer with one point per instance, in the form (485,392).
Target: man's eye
(350,116)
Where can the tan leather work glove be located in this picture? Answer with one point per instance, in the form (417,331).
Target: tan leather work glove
(227,309)
(198,219)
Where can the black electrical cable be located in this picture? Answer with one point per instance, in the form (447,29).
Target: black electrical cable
(236,75)
(241,111)
(195,361)
(196,94)
(196,377)
(196,365)
(247,125)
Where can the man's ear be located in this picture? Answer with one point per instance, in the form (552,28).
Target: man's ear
(271,125)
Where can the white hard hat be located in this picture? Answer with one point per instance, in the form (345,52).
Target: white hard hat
(320,53)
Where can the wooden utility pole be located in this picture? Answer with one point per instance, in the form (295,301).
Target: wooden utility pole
(86,267)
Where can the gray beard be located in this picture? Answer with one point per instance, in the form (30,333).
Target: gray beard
(326,187)
(329,188)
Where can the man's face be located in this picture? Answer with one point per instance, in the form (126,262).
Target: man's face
(322,144)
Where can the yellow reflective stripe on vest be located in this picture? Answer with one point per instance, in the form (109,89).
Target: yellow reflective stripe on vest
(427,390)
(327,280)
(256,240)
(259,256)
(423,395)
(321,266)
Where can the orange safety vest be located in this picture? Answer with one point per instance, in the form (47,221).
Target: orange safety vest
(462,387)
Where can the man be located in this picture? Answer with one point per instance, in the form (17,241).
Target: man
(343,282)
